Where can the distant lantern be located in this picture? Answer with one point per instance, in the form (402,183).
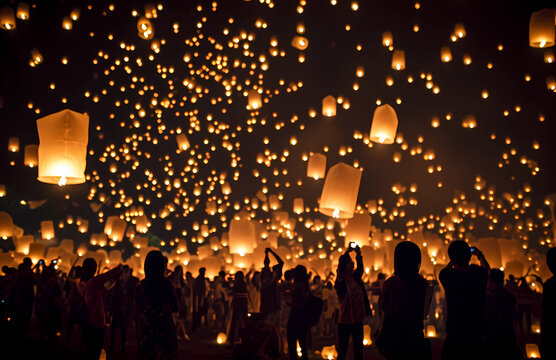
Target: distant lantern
(31,155)
(430,331)
(384,125)
(83,227)
(47,229)
(549,56)
(75,13)
(459,30)
(63,138)
(183,142)
(398,60)
(141,224)
(254,99)
(300,42)
(298,206)
(445,54)
(551,83)
(339,193)
(387,38)
(13,144)
(542,32)
(67,24)
(329,352)
(358,229)
(7,18)
(242,238)
(221,338)
(36,56)
(367,341)
(2,190)
(115,228)
(316,166)
(23,11)
(6,225)
(22,244)
(329,106)
(532,351)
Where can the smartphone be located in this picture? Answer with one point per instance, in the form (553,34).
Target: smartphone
(472,250)
(352,245)
(55,261)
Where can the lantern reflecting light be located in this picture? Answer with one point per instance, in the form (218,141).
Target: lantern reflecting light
(384,125)
(340,190)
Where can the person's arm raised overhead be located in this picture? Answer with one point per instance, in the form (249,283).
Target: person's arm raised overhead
(482,260)
(359,262)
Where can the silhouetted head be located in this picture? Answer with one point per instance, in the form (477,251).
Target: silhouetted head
(407,259)
(154,265)
(345,265)
(188,275)
(551,260)
(27,262)
(239,277)
(496,276)
(300,275)
(222,274)
(202,271)
(511,277)
(288,276)
(89,269)
(178,270)
(459,252)
(316,280)
(381,276)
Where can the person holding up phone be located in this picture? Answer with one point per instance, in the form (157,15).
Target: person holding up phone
(465,287)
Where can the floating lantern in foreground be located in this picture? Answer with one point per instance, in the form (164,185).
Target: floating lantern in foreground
(7,18)
(6,225)
(384,125)
(329,106)
(340,190)
(13,144)
(22,11)
(316,167)
(532,351)
(63,138)
(329,352)
(242,237)
(542,32)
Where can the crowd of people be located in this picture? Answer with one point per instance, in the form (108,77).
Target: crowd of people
(271,313)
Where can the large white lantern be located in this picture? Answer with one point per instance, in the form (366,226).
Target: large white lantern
(242,238)
(384,125)
(63,138)
(542,33)
(340,190)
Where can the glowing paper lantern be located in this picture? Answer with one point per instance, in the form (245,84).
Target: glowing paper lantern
(329,106)
(532,351)
(329,352)
(63,140)
(115,228)
(141,224)
(6,225)
(339,193)
(316,167)
(459,30)
(221,338)
(298,205)
(7,18)
(398,60)
(36,251)
(145,28)
(430,331)
(541,29)
(367,341)
(445,54)
(23,243)
(300,42)
(47,229)
(183,142)
(387,38)
(2,190)
(67,24)
(31,155)
(551,83)
(241,237)
(384,125)
(36,56)
(22,11)
(13,144)
(254,99)
(358,229)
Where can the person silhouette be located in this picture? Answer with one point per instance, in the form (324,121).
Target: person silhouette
(156,301)
(199,298)
(354,303)
(548,323)
(500,309)
(403,303)
(296,328)
(239,306)
(465,287)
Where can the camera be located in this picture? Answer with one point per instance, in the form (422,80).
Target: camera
(352,245)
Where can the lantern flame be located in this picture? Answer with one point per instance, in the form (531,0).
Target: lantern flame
(63,181)
(336,213)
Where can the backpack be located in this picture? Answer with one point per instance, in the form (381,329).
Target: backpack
(312,310)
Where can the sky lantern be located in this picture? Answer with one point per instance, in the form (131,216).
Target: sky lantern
(532,351)
(22,11)
(47,229)
(387,38)
(459,30)
(339,193)
(541,29)
(13,144)
(36,251)
(23,243)
(367,341)
(398,60)
(183,142)
(551,83)
(300,42)
(329,352)
(298,205)
(145,28)
(241,239)
(358,229)
(329,106)
(316,166)
(384,125)
(430,331)
(221,338)
(7,18)
(63,138)
(445,54)
(6,225)
(67,24)
(31,155)
(254,99)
